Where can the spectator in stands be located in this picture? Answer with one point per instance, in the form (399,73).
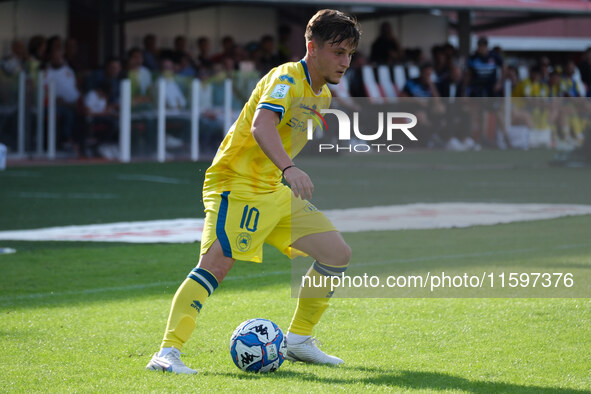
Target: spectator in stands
(36,47)
(150,52)
(283,46)
(140,77)
(386,49)
(437,129)
(585,69)
(425,111)
(511,74)
(185,68)
(570,84)
(456,86)
(481,75)
(101,120)
(519,115)
(265,57)
(176,126)
(498,52)
(54,43)
(228,57)
(101,104)
(423,85)
(533,86)
(67,95)
(15,62)
(183,62)
(414,55)
(545,69)
(72,56)
(204,62)
(355,77)
(110,75)
(175,99)
(451,53)
(443,70)
(179,48)
(554,85)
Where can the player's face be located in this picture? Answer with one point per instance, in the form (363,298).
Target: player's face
(333,60)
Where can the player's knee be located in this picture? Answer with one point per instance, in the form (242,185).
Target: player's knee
(341,256)
(346,254)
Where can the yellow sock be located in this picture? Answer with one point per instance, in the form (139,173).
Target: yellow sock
(186,304)
(313,299)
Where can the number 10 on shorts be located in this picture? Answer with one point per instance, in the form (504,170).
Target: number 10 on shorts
(250,218)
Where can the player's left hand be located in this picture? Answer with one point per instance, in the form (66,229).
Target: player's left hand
(300,183)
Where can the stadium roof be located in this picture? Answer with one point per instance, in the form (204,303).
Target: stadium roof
(558,7)
(141,9)
(561,7)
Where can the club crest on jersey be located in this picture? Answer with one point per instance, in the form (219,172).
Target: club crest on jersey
(280,91)
(243,241)
(287,78)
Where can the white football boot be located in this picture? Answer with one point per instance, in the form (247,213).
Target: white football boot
(170,362)
(308,352)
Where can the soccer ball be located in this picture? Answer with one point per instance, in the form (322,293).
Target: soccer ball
(258,345)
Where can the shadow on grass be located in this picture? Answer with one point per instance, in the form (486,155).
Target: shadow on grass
(408,380)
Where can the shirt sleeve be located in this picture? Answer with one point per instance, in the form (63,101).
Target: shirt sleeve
(277,94)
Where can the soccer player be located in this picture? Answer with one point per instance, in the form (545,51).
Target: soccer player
(246,203)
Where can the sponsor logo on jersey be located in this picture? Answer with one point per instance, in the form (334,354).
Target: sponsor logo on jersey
(280,91)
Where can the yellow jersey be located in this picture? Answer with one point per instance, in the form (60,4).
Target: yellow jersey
(529,88)
(240,165)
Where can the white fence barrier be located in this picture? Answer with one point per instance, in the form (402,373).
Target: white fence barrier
(195,115)
(161,144)
(40,113)
(227,105)
(21,114)
(51,121)
(125,122)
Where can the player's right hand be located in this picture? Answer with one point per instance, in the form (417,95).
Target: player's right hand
(300,183)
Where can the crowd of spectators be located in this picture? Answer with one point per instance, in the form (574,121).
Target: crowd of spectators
(483,74)
(88,100)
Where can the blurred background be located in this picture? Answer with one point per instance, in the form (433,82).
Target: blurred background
(160,80)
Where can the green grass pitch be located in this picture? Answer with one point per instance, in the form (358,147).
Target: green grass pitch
(86,317)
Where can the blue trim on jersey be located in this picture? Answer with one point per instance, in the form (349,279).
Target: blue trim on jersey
(273,107)
(306,72)
(204,278)
(220,229)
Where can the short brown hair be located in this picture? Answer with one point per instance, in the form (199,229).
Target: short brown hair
(333,26)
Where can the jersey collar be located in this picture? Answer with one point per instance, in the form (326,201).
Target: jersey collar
(306,72)
(305,66)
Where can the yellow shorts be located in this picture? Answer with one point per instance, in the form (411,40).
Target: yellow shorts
(244,221)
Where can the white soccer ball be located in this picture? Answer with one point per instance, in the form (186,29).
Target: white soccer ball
(258,345)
